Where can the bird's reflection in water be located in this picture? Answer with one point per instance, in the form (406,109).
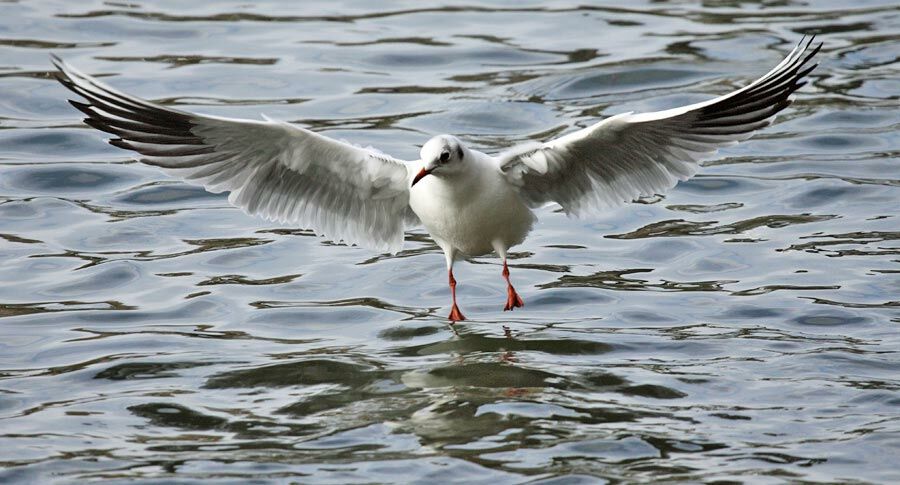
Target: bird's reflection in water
(476,390)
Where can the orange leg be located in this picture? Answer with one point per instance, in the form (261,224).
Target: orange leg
(512,298)
(455,314)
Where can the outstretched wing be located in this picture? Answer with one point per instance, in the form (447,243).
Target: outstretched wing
(630,155)
(275,170)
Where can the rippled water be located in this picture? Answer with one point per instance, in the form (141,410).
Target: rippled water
(743,328)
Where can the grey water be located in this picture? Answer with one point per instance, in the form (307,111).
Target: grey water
(742,328)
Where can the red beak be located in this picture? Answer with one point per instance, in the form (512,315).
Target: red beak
(419,176)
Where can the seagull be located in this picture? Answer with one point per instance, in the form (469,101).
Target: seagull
(471,203)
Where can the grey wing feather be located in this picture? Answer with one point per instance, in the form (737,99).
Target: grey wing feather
(275,170)
(630,155)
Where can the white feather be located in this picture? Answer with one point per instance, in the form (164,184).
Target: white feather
(630,155)
(273,169)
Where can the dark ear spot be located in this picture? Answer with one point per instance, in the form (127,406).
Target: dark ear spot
(459,152)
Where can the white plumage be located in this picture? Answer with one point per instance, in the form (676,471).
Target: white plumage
(470,202)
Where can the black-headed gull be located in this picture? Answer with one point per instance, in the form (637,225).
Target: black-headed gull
(470,202)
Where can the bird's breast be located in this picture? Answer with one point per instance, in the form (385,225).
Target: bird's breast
(471,217)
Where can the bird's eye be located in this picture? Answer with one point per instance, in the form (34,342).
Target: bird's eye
(445,156)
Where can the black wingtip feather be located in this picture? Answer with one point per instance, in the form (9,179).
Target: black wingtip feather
(118,142)
(765,99)
(100,125)
(83,107)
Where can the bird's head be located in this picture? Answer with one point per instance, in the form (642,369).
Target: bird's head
(442,155)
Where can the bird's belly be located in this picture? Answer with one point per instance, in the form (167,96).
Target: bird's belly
(471,226)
